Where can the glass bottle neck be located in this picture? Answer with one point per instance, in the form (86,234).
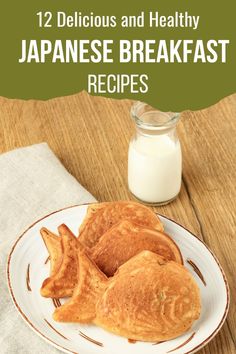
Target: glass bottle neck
(154,134)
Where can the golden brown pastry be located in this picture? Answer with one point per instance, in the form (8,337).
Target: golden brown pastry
(102,216)
(91,285)
(148,299)
(126,239)
(62,283)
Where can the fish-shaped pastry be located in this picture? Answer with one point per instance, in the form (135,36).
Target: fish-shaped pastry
(126,239)
(148,299)
(101,217)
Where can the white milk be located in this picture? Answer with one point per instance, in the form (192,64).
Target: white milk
(154,168)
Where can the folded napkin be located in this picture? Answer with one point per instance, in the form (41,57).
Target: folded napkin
(33,183)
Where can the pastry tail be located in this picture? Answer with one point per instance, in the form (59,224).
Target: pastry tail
(91,285)
(53,245)
(63,282)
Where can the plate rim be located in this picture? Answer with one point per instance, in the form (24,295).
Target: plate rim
(58,346)
(214,333)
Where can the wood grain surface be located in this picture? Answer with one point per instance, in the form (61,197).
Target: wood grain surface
(90,135)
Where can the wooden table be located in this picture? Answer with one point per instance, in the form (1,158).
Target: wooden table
(90,135)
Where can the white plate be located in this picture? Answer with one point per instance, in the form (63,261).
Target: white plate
(27,269)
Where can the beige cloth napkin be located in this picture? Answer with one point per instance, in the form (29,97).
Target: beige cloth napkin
(33,183)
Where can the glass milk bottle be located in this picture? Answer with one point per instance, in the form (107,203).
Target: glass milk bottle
(155,158)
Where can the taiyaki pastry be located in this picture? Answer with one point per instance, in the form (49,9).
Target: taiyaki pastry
(148,298)
(126,239)
(102,216)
